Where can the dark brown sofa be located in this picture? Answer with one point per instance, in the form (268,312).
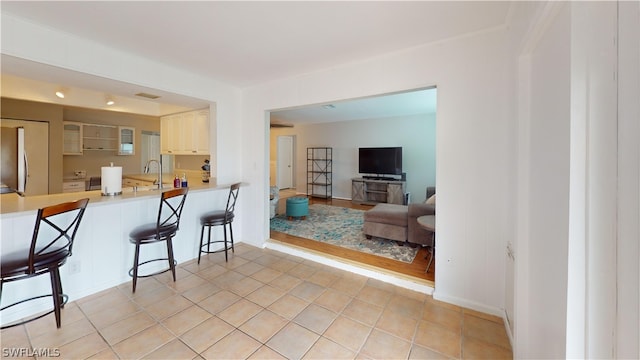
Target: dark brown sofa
(398,222)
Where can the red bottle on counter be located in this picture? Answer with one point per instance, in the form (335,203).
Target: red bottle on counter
(176,182)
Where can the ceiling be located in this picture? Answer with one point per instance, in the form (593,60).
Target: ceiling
(245,43)
(390,105)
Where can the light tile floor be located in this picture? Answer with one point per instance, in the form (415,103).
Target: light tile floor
(263,304)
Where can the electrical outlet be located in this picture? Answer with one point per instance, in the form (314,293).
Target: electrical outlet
(74,267)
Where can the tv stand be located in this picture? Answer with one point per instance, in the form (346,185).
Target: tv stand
(378,178)
(370,191)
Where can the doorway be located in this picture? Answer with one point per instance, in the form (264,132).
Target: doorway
(406,119)
(284,162)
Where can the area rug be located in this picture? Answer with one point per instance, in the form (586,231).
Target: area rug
(341,227)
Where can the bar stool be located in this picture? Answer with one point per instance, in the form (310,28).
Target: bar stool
(219,217)
(51,245)
(164,229)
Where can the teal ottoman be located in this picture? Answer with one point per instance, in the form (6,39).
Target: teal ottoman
(297,206)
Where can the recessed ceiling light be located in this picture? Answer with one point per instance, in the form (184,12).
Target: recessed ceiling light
(60,94)
(328,106)
(110,102)
(148,96)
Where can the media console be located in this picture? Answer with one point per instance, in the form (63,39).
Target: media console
(373,191)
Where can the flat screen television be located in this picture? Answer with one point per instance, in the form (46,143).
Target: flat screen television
(380,161)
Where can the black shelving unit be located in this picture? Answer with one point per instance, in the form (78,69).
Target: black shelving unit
(319,172)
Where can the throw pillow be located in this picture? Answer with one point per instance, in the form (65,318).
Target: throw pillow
(431,200)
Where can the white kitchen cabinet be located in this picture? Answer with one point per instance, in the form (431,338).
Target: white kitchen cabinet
(170,133)
(72,140)
(185,133)
(126,140)
(201,133)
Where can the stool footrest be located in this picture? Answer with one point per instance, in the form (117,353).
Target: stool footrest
(65,298)
(216,251)
(155,273)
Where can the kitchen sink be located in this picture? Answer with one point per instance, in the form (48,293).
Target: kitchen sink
(130,189)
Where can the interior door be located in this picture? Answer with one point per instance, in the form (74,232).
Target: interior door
(284,164)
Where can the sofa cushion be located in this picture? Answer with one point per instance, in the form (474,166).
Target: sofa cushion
(387,214)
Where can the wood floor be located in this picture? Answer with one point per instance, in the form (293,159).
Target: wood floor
(416,269)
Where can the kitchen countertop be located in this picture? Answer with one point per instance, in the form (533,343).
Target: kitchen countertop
(13,204)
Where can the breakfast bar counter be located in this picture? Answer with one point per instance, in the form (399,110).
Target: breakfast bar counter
(13,204)
(102,254)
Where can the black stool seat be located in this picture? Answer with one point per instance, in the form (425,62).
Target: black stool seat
(148,233)
(164,229)
(219,218)
(48,251)
(17,263)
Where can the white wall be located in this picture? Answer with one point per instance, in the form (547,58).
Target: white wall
(592,239)
(472,149)
(415,134)
(548,182)
(576,271)
(628,252)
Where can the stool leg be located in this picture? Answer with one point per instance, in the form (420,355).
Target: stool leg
(135,266)
(231,232)
(172,265)
(226,257)
(55,287)
(200,248)
(60,291)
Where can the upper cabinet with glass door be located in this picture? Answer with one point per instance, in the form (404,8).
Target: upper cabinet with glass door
(72,141)
(126,140)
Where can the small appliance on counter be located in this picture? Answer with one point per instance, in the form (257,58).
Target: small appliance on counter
(206,171)
(111,180)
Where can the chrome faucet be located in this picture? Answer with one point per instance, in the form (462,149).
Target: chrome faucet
(159,163)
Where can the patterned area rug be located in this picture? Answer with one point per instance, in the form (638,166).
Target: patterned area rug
(341,227)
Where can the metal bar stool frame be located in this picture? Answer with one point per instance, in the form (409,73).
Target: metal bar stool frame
(45,256)
(164,229)
(219,218)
